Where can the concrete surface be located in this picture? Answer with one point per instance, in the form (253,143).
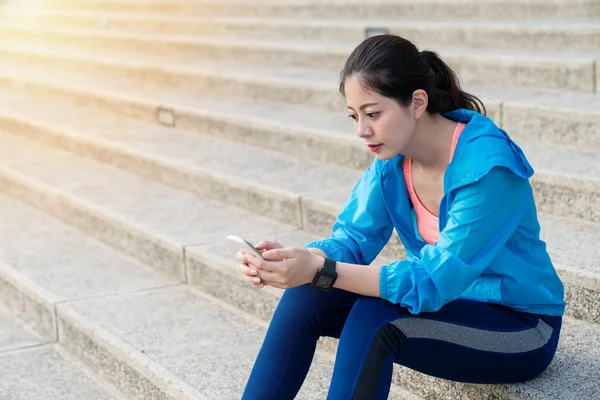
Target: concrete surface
(13,335)
(31,369)
(434,9)
(567,35)
(474,65)
(47,372)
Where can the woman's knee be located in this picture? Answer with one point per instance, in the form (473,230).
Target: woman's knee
(373,313)
(299,299)
(304,298)
(325,312)
(375,305)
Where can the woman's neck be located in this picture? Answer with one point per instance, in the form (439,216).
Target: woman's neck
(432,142)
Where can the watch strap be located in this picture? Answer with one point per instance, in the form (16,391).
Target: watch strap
(329,266)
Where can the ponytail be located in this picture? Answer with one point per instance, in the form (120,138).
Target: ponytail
(446,92)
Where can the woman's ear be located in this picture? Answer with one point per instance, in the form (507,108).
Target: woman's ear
(419,103)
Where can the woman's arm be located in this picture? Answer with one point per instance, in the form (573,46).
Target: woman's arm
(317,252)
(291,267)
(359,279)
(483,216)
(362,227)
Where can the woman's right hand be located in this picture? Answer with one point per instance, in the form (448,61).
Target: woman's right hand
(250,273)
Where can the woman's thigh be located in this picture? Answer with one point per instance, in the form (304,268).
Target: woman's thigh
(469,341)
(322,313)
(464,341)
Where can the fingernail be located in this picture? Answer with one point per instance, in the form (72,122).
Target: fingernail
(253,271)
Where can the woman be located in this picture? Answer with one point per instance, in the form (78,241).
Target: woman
(476,300)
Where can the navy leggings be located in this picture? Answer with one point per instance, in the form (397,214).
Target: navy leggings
(465,341)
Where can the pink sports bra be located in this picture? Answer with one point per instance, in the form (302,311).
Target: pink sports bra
(427,222)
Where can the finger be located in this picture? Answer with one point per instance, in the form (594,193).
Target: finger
(269,277)
(259,263)
(260,285)
(267,245)
(280,254)
(241,256)
(270,266)
(248,270)
(253,280)
(263,245)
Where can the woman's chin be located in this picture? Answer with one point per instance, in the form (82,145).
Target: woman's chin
(384,155)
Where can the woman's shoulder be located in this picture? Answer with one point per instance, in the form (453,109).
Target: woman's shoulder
(481,147)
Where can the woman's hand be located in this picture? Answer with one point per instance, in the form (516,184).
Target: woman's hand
(284,267)
(250,273)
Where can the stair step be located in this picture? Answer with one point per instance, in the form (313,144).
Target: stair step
(186,160)
(216,168)
(562,117)
(434,9)
(108,194)
(548,35)
(474,66)
(203,344)
(574,252)
(295,85)
(32,369)
(14,335)
(58,259)
(568,183)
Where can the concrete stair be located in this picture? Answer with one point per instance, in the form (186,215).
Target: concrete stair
(32,368)
(434,9)
(545,34)
(576,72)
(114,275)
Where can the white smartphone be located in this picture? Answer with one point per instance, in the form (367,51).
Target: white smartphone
(246,243)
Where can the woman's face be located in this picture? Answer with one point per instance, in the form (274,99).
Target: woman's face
(386,126)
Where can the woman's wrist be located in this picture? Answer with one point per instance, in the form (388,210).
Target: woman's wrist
(316,263)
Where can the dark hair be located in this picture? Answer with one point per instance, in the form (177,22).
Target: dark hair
(393,67)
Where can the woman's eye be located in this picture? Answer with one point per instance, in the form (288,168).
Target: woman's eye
(373,114)
(352,117)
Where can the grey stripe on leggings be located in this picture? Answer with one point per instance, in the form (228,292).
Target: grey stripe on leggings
(479,339)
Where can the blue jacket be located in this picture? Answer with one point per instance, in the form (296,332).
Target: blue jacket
(489,248)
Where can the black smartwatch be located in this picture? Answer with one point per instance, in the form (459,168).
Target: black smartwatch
(325,277)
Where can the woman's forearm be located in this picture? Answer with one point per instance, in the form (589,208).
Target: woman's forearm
(354,278)
(359,279)
(317,251)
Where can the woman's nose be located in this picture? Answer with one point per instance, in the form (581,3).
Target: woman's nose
(363,130)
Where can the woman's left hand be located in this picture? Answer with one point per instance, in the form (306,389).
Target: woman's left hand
(286,268)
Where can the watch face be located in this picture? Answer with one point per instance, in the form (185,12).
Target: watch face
(324,281)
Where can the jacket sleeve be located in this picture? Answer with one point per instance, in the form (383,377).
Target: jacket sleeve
(481,219)
(363,226)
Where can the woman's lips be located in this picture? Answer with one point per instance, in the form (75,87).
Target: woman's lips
(374,147)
